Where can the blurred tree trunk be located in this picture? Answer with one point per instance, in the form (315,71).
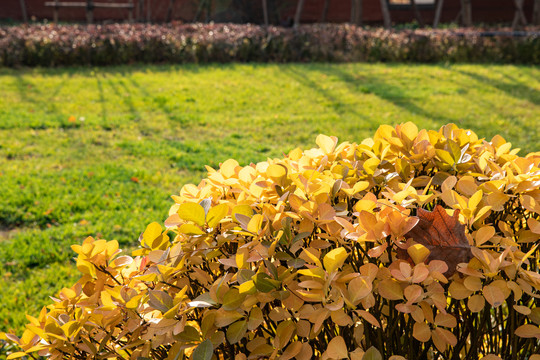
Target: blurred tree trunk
(23,9)
(536,12)
(356,12)
(298,14)
(466,13)
(170,10)
(519,16)
(140,11)
(417,14)
(438,11)
(325,10)
(386,14)
(265,12)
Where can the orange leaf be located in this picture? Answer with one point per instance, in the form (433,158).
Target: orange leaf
(528,331)
(493,295)
(421,331)
(337,349)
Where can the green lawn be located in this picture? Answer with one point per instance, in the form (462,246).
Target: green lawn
(140,133)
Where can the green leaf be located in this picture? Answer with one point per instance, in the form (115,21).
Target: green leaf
(204,351)
(236,331)
(190,334)
(445,156)
(192,212)
(160,300)
(455,150)
(372,354)
(264,283)
(233,299)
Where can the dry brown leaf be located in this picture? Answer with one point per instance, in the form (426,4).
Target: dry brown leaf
(442,235)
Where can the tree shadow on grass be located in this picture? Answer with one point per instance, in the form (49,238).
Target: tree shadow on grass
(102,100)
(124,92)
(395,95)
(512,87)
(30,94)
(348,115)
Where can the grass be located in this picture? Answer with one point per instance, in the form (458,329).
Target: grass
(137,134)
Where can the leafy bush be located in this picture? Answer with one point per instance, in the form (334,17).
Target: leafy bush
(416,244)
(62,45)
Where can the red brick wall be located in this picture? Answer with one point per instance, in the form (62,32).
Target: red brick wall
(487,11)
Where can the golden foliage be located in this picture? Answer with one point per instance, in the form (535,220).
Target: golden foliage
(295,258)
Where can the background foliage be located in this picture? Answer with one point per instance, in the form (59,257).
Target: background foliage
(54,45)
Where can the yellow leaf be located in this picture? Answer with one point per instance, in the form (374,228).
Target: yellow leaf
(190,229)
(326,143)
(247,287)
(370,165)
(16,355)
(241,258)
(357,187)
(216,213)
(192,212)
(337,349)
(152,232)
(334,259)
(133,303)
(484,234)
(228,168)
(475,200)
(409,130)
(255,224)
(497,200)
(242,210)
(311,257)
(315,272)
(418,253)
(276,171)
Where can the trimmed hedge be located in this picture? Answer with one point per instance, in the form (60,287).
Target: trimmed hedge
(64,45)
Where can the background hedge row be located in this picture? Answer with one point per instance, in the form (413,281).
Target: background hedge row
(61,45)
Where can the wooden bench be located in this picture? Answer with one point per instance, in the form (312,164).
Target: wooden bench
(90,6)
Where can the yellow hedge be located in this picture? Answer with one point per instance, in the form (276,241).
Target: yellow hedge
(322,255)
